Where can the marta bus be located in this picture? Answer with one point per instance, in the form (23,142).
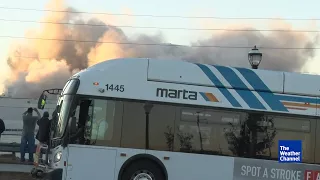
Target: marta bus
(141,118)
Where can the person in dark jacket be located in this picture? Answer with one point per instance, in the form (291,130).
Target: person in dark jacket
(44,128)
(2,127)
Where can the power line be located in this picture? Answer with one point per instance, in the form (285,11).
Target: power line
(155,44)
(157,16)
(168,28)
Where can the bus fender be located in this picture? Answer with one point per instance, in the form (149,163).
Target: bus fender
(143,156)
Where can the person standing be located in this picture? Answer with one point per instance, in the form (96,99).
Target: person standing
(43,135)
(44,128)
(27,138)
(2,127)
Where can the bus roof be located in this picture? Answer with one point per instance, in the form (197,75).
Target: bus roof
(184,82)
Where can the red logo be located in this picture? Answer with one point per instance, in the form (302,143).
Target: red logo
(312,175)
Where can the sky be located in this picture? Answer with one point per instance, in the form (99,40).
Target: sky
(226,8)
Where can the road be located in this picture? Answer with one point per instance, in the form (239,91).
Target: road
(15,172)
(15,168)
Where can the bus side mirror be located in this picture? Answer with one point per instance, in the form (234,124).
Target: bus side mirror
(42,101)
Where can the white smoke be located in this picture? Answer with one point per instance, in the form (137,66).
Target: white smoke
(30,76)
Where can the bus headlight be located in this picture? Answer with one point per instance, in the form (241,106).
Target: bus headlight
(57,157)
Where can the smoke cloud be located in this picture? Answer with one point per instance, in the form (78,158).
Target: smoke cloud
(32,71)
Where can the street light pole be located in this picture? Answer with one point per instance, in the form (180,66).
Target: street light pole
(147,108)
(254,57)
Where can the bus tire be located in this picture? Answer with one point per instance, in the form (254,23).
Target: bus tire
(143,169)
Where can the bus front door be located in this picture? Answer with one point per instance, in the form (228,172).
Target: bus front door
(90,162)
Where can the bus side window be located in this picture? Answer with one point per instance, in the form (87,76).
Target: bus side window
(102,121)
(299,129)
(133,125)
(161,126)
(202,130)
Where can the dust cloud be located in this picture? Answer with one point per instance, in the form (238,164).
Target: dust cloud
(36,65)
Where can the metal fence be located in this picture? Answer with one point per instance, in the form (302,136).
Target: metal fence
(14,132)
(12,136)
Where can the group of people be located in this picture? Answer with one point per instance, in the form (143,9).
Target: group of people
(28,137)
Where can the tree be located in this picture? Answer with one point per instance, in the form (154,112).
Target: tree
(169,138)
(252,137)
(185,141)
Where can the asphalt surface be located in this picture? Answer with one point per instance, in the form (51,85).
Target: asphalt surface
(15,168)
(15,176)
(15,172)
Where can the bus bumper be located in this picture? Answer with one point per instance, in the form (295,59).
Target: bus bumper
(48,174)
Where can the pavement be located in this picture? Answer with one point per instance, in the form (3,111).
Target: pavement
(15,168)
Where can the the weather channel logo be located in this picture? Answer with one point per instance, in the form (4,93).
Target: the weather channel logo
(290,151)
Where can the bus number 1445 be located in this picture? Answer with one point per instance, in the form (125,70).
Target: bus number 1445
(114,87)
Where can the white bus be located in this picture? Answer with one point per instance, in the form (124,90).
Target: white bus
(139,118)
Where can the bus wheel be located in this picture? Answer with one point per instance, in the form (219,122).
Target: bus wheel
(143,170)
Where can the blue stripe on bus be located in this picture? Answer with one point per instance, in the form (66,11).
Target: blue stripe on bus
(244,92)
(258,85)
(218,83)
(204,96)
(254,80)
(297,99)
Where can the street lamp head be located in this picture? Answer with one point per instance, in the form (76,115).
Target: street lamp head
(255,57)
(147,107)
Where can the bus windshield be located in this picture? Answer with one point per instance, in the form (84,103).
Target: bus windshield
(63,108)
